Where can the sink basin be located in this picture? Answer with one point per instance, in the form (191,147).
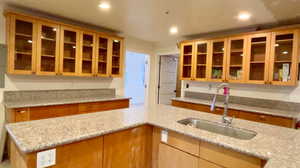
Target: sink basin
(219,128)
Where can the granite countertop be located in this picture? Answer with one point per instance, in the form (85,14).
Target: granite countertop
(43,102)
(280,146)
(273,112)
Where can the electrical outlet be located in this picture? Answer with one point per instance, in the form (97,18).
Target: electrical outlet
(164,136)
(46,158)
(187,85)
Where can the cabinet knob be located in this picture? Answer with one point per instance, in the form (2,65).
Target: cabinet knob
(21,111)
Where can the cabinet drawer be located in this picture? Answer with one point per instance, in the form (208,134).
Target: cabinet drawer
(191,106)
(184,143)
(104,105)
(227,158)
(21,114)
(37,113)
(268,119)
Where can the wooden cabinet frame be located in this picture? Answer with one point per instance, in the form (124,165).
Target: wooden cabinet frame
(294,59)
(11,31)
(63,28)
(244,38)
(195,57)
(266,62)
(39,48)
(122,48)
(182,61)
(93,72)
(210,61)
(109,46)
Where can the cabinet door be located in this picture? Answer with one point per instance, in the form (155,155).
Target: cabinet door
(170,157)
(22,48)
(47,49)
(186,61)
(128,149)
(258,58)
(284,57)
(87,54)
(236,60)
(69,51)
(102,56)
(201,60)
(116,58)
(217,60)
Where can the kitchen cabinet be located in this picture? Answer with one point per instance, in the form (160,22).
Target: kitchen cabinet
(258,59)
(201,61)
(45,47)
(262,57)
(87,57)
(186,61)
(284,57)
(22,41)
(236,58)
(251,116)
(44,112)
(128,148)
(217,60)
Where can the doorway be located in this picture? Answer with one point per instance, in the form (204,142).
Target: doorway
(169,85)
(136,77)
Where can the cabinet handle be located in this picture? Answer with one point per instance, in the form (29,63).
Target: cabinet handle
(21,111)
(262,117)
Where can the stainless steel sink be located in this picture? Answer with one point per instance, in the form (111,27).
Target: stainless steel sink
(219,128)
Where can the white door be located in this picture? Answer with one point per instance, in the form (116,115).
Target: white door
(167,78)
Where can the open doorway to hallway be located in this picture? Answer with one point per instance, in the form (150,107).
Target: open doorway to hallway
(136,77)
(169,85)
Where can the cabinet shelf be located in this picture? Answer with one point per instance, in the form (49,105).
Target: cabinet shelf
(48,39)
(115,55)
(23,53)
(70,42)
(102,48)
(283,61)
(284,41)
(201,53)
(258,43)
(48,55)
(218,52)
(201,64)
(217,66)
(257,62)
(188,54)
(237,65)
(87,45)
(87,59)
(69,58)
(187,65)
(24,35)
(237,51)
(101,61)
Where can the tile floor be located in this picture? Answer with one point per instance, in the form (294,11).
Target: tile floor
(5,164)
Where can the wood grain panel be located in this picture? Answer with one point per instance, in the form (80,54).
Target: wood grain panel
(21,114)
(227,158)
(129,148)
(170,157)
(43,112)
(206,164)
(104,105)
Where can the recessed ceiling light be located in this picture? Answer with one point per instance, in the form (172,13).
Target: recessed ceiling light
(104,5)
(244,16)
(174,30)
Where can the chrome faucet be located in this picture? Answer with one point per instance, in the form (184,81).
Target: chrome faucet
(225,119)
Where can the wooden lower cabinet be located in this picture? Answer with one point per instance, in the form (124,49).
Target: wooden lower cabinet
(44,112)
(83,154)
(130,148)
(170,157)
(206,164)
(257,117)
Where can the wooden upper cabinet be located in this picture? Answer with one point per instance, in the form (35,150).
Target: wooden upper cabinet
(21,45)
(102,56)
(116,57)
(258,51)
(87,54)
(186,61)
(236,57)
(69,50)
(201,61)
(284,57)
(47,48)
(217,60)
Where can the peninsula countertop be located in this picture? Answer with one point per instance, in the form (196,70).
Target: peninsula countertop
(268,111)
(49,102)
(280,146)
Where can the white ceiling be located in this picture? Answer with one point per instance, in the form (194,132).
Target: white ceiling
(146,19)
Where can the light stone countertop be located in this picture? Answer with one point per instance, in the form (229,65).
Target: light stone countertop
(274,112)
(38,103)
(279,145)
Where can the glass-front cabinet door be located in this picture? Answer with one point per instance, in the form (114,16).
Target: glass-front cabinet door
(47,49)
(69,51)
(217,60)
(87,54)
(284,57)
(102,57)
(116,57)
(22,45)
(236,59)
(201,60)
(186,61)
(258,58)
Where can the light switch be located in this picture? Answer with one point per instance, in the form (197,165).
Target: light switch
(164,136)
(46,158)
